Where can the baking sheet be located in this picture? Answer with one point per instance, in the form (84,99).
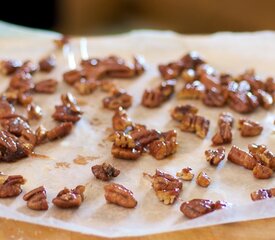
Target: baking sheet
(225,51)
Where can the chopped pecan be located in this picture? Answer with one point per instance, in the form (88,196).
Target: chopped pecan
(119,195)
(263,194)
(105,171)
(10,186)
(60,131)
(126,153)
(198,207)
(203,180)
(186,174)
(166,186)
(47,64)
(121,120)
(118,99)
(10,66)
(179,112)
(194,90)
(71,77)
(34,111)
(37,199)
(85,87)
(240,157)
(214,157)
(46,86)
(69,198)
(249,128)
(262,172)
(165,146)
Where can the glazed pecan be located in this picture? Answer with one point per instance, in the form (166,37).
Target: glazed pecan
(10,186)
(224,133)
(214,97)
(71,77)
(21,81)
(28,67)
(240,157)
(41,135)
(105,171)
(126,153)
(166,186)
(194,90)
(59,131)
(6,109)
(143,136)
(227,118)
(119,195)
(34,111)
(46,86)
(165,146)
(203,180)
(85,87)
(186,174)
(198,207)
(37,199)
(243,102)
(262,172)
(263,194)
(123,140)
(270,85)
(118,99)
(120,120)
(179,112)
(214,157)
(9,66)
(69,198)
(188,75)
(265,99)
(249,128)
(47,64)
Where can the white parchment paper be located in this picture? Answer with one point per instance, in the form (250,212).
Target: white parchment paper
(225,51)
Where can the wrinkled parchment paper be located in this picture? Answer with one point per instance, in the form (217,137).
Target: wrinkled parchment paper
(225,51)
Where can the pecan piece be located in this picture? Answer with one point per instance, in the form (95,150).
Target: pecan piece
(126,153)
(243,102)
(37,199)
(179,111)
(10,186)
(214,157)
(186,174)
(262,172)
(214,97)
(194,90)
(249,128)
(10,66)
(263,194)
(118,99)
(120,120)
(34,111)
(203,180)
(69,198)
(59,131)
(6,109)
(105,171)
(165,146)
(47,64)
(119,195)
(266,100)
(166,186)
(224,133)
(21,81)
(71,77)
(46,86)
(242,158)
(198,207)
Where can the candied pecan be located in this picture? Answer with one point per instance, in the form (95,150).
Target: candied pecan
(72,76)
(243,102)
(188,75)
(214,157)
(214,97)
(226,117)
(119,195)
(34,111)
(143,136)
(41,135)
(46,86)
(85,87)
(37,199)
(186,174)
(179,111)
(10,186)
(262,172)
(126,153)
(171,70)
(224,133)
(10,66)
(123,140)
(254,82)
(121,120)
(191,60)
(166,186)
(60,131)
(15,125)
(198,207)
(165,146)
(138,66)
(240,157)
(265,99)
(47,64)
(105,171)
(115,70)
(118,99)
(21,81)
(69,198)
(28,67)
(194,90)
(61,41)
(203,180)
(249,128)
(263,194)
(6,109)
(270,85)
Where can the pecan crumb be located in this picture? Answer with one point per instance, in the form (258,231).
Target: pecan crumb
(10,186)
(37,199)
(186,174)
(203,180)
(105,171)
(119,195)
(69,198)
(214,157)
